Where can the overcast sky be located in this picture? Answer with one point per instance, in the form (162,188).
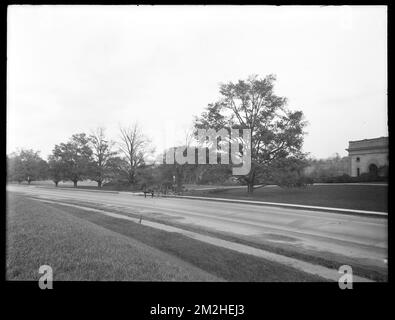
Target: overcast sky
(74,68)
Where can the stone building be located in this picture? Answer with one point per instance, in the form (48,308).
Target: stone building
(368,156)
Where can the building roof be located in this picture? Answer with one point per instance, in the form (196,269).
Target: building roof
(373,139)
(380,143)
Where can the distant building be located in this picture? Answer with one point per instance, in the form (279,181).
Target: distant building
(368,156)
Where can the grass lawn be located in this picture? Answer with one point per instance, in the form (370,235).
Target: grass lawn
(81,245)
(360,197)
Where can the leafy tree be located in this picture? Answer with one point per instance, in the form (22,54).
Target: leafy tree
(27,165)
(15,170)
(56,169)
(76,158)
(215,174)
(276,132)
(42,169)
(287,172)
(117,167)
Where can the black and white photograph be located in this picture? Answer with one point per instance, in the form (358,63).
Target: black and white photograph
(196,143)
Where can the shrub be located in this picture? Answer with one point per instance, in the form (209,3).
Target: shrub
(345,178)
(369,177)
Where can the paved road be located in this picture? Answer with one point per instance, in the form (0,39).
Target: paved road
(361,238)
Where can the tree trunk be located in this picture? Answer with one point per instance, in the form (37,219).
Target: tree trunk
(56,183)
(251,182)
(179,183)
(99,183)
(75,183)
(250,187)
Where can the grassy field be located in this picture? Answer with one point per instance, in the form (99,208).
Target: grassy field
(360,197)
(79,250)
(81,245)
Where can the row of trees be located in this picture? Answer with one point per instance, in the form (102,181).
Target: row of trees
(276,141)
(330,167)
(93,157)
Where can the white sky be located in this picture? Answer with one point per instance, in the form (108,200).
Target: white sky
(73,68)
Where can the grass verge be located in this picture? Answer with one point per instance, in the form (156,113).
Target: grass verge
(79,250)
(358,197)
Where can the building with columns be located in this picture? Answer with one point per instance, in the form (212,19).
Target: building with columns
(368,156)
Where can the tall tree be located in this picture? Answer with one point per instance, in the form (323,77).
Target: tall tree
(117,168)
(27,165)
(76,158)
(56,169)
(276,131)
(15,170)
(102,154)
(134,146)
